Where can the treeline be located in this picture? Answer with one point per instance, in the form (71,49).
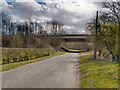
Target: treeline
(30,34)
(108,33)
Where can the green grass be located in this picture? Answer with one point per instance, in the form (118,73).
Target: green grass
(98,74)
(14,65)
(75,50)
(12,55)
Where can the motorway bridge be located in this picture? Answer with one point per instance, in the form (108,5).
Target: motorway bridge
(76,41)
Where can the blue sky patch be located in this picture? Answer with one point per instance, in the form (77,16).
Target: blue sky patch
(10,1)
(40,2)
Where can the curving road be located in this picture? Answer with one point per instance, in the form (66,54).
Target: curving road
(56,72)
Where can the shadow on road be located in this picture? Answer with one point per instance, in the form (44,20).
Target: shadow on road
(74,51)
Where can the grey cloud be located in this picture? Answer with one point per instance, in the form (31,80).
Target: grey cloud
(75,19)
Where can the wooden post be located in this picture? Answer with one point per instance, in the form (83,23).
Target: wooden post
(119,44)
(95,42)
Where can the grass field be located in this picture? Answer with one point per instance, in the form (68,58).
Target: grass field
(14,65)
(98,74)
(13,55)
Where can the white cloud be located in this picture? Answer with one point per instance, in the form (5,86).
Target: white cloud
(74,14)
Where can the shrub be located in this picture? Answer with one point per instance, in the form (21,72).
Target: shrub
(19,55)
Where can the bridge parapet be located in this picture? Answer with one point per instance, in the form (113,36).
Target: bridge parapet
(75,38)
(76,41)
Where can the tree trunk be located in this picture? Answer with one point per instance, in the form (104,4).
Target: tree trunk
(108,48)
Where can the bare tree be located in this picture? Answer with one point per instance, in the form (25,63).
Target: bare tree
(113,15)
(56,29)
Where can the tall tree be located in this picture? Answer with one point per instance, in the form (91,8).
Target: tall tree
(56,29)
(113,15)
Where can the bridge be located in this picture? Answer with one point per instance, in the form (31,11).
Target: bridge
(76,41)
(75,38)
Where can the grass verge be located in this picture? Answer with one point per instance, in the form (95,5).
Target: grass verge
(98,74)
(14,65)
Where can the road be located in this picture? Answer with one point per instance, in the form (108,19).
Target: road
(55,72)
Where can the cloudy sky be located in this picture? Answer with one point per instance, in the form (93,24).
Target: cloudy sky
(74,14)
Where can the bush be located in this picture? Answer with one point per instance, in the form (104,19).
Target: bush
(19,55)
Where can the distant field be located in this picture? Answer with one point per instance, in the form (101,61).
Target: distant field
(15,57)
(17,64)
(12,55)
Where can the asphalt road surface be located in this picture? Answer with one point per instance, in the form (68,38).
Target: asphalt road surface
(56,72)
